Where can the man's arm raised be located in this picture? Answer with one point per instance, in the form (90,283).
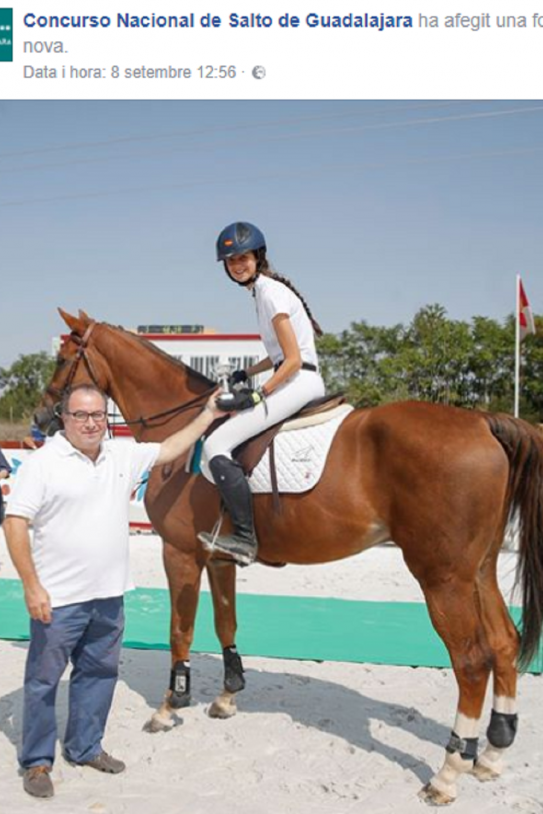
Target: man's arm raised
(181,441)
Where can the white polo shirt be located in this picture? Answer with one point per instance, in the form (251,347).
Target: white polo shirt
(272,298)
(79,509)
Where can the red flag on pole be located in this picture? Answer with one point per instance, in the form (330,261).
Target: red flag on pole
(525,315)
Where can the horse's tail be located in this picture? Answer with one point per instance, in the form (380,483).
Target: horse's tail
(523,445)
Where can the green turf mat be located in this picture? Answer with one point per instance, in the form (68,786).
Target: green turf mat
(278,626)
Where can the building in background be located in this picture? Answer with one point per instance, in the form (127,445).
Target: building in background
(201,349)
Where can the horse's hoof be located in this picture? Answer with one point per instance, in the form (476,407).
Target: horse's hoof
(159,723)
(484,773)
(433,797)
(223,707)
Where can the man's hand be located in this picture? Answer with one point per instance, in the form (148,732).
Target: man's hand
(212,404)
(181,441)
(38,603)
(37,599)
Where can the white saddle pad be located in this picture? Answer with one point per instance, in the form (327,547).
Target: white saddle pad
(300,455)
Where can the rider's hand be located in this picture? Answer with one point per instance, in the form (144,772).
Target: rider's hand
(238,377)
(243,399)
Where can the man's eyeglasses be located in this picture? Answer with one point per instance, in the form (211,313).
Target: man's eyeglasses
(82,415)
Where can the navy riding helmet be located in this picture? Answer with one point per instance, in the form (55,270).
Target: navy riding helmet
(238,238)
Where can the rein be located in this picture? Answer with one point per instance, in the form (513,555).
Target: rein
(171,413)
(143,421)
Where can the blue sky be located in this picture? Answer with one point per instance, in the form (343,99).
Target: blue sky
(373,209)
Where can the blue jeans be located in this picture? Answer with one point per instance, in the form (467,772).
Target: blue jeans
(90,635)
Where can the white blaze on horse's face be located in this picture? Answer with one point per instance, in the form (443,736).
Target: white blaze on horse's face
(87,435)
(242,267)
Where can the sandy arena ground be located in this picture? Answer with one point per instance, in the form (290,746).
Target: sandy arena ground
(310,738)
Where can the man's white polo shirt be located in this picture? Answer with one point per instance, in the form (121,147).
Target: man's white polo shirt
(79,509)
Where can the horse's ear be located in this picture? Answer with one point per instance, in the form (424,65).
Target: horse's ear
(83,315)
(75,324)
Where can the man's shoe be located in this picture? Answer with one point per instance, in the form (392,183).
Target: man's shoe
(105,763)
(36,781)
(241,549)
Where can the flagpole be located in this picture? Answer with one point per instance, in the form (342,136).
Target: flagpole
(517,348)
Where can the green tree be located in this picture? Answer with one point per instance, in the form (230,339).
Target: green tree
(355,362)
(531,374)
(330,349)
(435,358)
(23,384)
(492,363)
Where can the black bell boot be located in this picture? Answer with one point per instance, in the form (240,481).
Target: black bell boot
(233,487)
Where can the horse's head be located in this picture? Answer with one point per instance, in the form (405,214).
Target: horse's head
(76,364)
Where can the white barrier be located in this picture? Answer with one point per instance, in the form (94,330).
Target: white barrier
(137,514)
(139,520)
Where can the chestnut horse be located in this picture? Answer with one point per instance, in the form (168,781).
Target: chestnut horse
(440,481)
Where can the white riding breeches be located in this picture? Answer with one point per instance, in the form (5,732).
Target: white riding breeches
(302,388)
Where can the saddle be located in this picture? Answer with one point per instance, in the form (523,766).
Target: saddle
(249,454)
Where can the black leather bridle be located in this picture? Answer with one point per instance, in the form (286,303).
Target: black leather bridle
(80,355)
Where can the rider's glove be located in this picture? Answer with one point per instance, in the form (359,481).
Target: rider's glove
(238,377)
(242,399)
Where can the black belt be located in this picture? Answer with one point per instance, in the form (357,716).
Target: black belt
(305,366)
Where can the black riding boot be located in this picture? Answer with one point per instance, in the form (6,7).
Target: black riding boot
(236,494)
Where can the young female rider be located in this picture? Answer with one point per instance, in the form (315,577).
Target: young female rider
(288,332)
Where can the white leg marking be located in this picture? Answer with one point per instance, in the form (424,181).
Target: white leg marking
(467,727)
(445,780)
(490,763)
(454,766)
(502,703)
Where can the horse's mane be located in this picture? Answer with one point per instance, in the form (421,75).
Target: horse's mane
(172,361)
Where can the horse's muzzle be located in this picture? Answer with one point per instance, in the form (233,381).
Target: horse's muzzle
(47,419)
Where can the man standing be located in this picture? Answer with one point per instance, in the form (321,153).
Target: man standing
(5,472)
(76,491)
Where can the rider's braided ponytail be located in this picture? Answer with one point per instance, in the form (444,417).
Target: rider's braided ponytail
(264,268)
